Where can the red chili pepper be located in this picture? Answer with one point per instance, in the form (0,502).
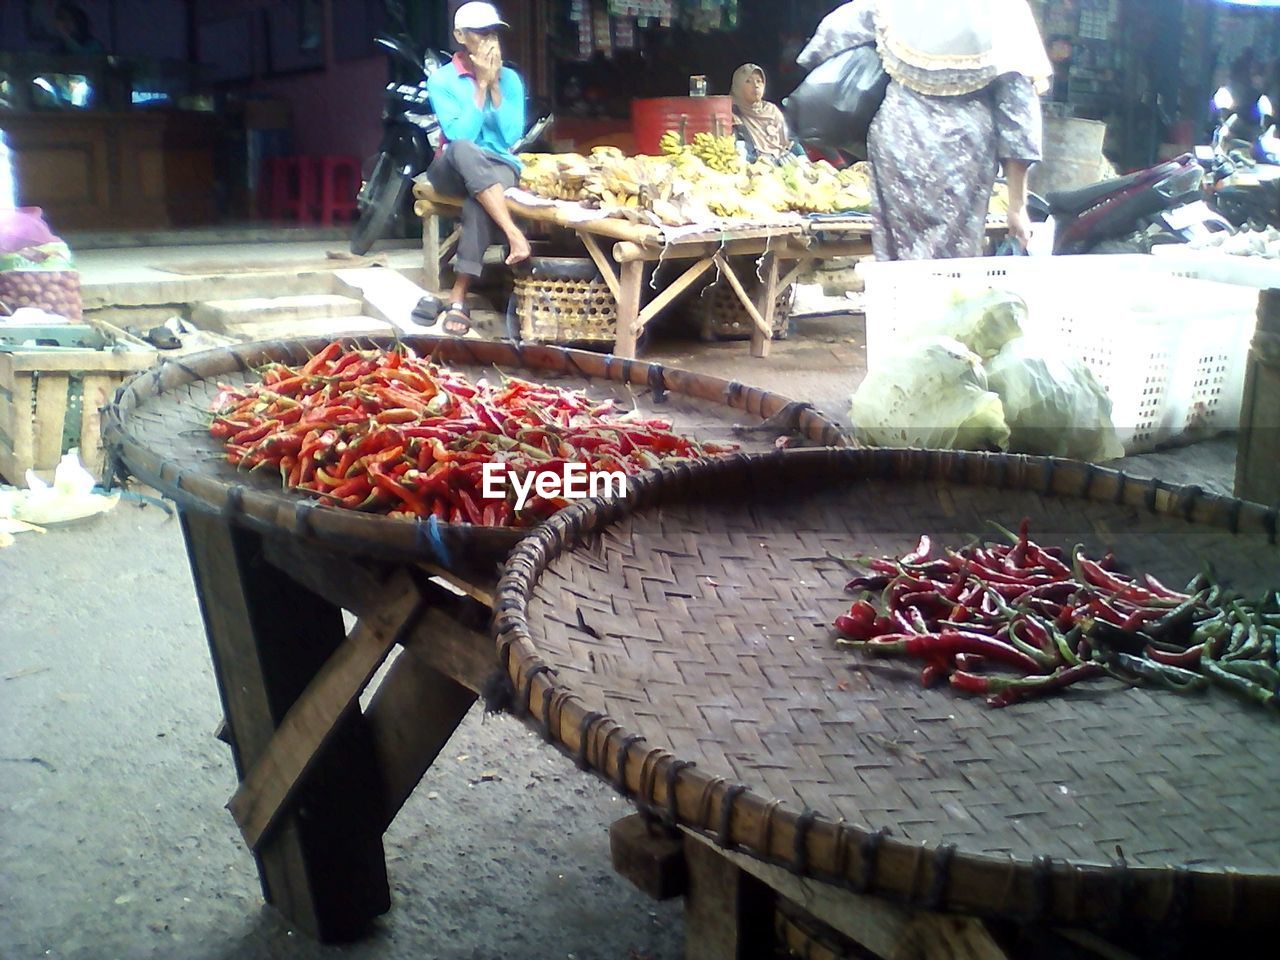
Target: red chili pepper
(1186,659)
(947,644)
(1160,590)
(320,359)
(389,485)
(1009,690)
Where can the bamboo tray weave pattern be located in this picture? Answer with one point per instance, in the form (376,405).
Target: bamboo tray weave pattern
(157,430)
(679,644)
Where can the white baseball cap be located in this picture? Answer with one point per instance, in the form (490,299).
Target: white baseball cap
(478,16)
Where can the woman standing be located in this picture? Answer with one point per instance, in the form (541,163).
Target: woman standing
(962,100)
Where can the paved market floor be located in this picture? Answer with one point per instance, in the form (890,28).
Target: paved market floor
(114,840)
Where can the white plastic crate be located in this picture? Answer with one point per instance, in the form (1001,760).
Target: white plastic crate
(1169,350)
(1256,272)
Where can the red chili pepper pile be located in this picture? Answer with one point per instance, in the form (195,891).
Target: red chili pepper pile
(391,432)
(1057,619)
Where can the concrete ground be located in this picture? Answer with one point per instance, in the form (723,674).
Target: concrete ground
(114,840)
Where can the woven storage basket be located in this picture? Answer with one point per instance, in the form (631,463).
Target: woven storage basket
(720,315)
(564,310)
(679,643)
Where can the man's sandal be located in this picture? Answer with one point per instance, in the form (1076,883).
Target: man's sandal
(456,321)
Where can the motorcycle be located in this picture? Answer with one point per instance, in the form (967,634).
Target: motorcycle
(1131,214)
(1243,179)
(410,138)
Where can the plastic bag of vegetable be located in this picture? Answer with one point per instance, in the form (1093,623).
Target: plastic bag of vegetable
(931,393)
(1053,404)
(984,321)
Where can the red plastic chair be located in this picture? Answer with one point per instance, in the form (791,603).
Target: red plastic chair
(339,184)
(291,182)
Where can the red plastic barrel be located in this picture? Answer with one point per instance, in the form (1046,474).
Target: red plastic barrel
(650,119)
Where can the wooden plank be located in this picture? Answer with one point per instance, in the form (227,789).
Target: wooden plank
(624,344)
(17,454)
(268,637)
(673,290)
(119,336)
(462,653)
(787,247)
(96,392)
(351,584)
(1256,476)
(412,716)
(309,724)
(476,591)
(651,858)
(431,251)
(743,297)
(83,361)
(793,273)
(51,417)
(766,306)
(884,928)
(728,912)
(607,270)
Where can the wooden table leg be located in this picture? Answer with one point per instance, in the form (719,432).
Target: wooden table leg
(628,308)
(431,252)
(322,867)
(728,912)
(766,301)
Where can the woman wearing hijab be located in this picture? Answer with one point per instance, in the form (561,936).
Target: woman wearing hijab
(962,100)
(758,125)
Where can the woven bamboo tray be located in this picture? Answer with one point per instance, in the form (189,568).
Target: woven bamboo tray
(678,643)
(157,430)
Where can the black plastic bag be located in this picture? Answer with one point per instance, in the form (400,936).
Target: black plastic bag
(834,106)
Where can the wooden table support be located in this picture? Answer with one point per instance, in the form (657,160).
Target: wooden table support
(622,266)
(323,866)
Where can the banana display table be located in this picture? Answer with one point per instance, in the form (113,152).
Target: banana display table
(622,250)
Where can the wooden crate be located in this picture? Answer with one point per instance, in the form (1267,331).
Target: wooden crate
(38,387)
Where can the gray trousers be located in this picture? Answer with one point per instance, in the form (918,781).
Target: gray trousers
(463,169)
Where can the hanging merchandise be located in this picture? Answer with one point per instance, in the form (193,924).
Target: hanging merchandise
(602,28)
(580,14)
(642,9)
(705,16)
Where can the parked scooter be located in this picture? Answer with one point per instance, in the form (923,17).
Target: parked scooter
(1131,214)
(1243,178)
(410,138)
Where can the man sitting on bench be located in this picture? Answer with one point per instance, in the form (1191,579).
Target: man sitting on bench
(481,108)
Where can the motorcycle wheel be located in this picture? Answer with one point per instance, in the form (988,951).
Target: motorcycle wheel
(386,191)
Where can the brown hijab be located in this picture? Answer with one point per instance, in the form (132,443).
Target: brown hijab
(763,121)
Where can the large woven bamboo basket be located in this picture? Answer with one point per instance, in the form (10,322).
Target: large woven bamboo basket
(157,430)
(679,644)
(565,310)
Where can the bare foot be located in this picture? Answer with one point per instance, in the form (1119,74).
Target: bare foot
(519,249)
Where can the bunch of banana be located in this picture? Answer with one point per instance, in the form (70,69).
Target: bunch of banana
(999,203)
(718,153)
(671,144)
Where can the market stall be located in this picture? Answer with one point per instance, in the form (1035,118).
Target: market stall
(695,203)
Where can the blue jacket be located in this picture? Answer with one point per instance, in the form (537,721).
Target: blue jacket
(452,90)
